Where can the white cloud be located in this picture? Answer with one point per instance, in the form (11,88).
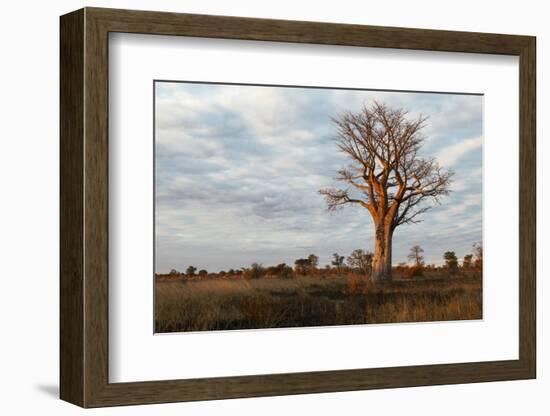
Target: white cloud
(451,155)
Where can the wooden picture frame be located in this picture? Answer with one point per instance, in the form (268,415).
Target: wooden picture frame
(84,207)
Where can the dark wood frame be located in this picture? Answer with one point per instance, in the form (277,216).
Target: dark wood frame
(84,207)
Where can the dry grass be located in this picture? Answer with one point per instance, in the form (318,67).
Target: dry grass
(222,304)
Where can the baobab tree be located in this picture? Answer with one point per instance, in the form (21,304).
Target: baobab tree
(416,255)
(386,176)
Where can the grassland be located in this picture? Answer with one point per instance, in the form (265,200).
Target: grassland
(224,304)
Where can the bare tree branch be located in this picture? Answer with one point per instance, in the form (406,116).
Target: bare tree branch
(386,175)
(337,198)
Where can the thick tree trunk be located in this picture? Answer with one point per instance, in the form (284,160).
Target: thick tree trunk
(381,267)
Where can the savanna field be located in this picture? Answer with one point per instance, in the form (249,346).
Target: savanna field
(237,302)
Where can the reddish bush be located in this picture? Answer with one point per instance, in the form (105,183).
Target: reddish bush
(414,271)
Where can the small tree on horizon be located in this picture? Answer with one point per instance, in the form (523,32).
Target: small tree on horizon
(478,252)
(313,260)
(451,261)
(256,271)
(307,265)
(284,271)
(190,271)
(467,262)
(416,255)
(301,266)
(361,260)
(338,261)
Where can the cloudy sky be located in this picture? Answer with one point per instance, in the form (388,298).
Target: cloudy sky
(238,169)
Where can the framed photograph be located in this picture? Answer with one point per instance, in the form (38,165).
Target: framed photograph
(254,207)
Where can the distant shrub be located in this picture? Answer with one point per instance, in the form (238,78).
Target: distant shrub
(203,273)
(306,266)
(280,270)
(301,266)
(284,271)
(190,271)
(256,271)
(414,271)
(313,260)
